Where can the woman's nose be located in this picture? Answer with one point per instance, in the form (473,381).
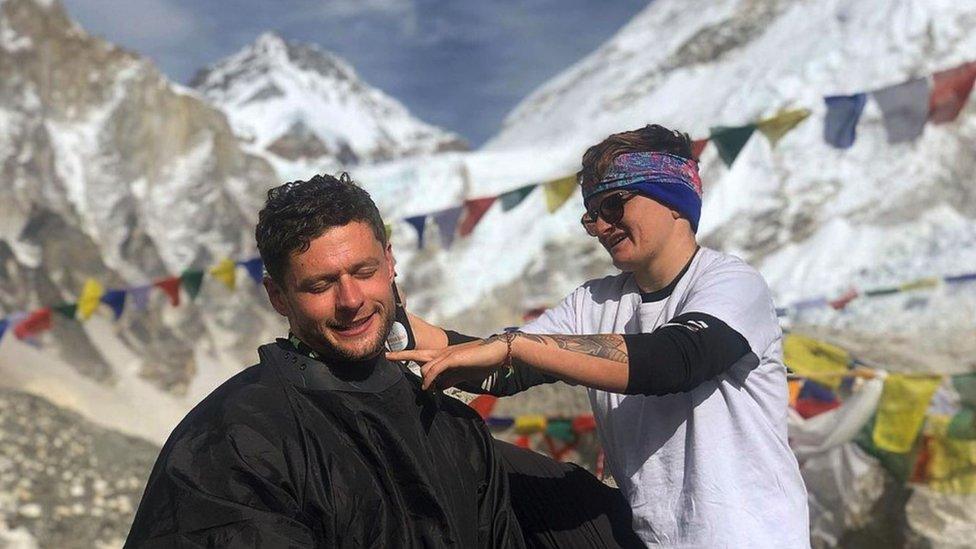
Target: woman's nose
(601,226)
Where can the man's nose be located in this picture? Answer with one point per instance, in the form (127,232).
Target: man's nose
(350,295)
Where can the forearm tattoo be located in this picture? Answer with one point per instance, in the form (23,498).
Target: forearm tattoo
(610,347)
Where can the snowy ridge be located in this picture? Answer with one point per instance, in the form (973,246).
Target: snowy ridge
(815,220)
(307,108)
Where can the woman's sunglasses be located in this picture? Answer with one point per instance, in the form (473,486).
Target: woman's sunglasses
(610,209)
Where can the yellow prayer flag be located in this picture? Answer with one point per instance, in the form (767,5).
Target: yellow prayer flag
(951,465)
(778,125)
(389,230)
(559,191)
(91,296)
(226,272)
(920,284)
(809,357)
(526,425)
(902,411)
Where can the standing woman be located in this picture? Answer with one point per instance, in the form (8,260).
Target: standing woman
(681,352)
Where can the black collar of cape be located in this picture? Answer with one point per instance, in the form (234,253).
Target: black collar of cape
(658,295)
(309,373)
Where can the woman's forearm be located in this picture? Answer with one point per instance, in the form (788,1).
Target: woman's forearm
(598,361)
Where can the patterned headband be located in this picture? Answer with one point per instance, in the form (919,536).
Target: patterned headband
(647,167)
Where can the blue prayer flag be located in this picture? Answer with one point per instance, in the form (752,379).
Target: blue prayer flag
(418,222)
(116,300)
(816,391)
(255,268)
(447,221)
(843,112)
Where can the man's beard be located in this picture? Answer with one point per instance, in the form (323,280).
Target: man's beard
(332,350)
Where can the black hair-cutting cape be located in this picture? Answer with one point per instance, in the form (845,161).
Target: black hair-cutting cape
(293,453)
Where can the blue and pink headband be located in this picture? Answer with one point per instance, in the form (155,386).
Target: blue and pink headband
(670,179)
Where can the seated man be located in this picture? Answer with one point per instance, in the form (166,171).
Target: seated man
(325,443)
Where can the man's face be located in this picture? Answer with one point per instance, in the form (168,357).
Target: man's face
(644,229)
(338,294)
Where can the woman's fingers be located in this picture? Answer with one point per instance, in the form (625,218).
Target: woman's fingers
(417,355)
(432,370)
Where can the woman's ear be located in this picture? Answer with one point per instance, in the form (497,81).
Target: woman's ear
(675,214)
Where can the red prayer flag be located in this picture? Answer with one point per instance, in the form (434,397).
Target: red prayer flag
(584,424)
(171,286)
(950,91)
(37,322)
(522,441)
(697,146)
(533,314)
(484,404)
(809,407)
(921,468)
(843,300)
(558,453)
(474,210)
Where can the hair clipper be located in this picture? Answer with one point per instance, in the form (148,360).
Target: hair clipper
(401,335)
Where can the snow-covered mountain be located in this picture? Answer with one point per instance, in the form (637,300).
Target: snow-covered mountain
(814,219)
(108,170)
(308,111)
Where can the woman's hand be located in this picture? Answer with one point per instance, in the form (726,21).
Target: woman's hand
(471,362)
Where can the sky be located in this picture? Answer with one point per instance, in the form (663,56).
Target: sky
(462,65)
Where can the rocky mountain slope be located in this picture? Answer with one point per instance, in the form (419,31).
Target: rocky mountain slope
(110,171)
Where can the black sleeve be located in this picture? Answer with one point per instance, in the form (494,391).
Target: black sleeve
(682,354)
(501,382)
(454,338)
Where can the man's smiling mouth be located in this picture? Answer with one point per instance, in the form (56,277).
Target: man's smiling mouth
(355,328)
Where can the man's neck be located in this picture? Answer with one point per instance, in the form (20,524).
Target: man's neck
(329,358)
(666,265)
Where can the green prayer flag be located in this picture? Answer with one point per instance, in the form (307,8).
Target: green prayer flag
(881,291)
(963,424)
(899,465)
(67,310)
(561,429)
(511,199)
(965,385)
(730,139)
(191,281)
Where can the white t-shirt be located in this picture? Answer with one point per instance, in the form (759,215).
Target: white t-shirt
(710,467)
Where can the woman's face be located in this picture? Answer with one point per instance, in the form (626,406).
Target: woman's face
(643,230)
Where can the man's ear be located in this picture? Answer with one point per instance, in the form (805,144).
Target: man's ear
(275,296)
(675,214)
(390,260)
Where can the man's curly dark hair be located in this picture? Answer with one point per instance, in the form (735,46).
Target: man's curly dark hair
(298,212)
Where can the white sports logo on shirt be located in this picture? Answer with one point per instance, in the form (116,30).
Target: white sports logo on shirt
(693,325)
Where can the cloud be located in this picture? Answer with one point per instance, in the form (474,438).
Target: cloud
(402,13)
(143,25)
